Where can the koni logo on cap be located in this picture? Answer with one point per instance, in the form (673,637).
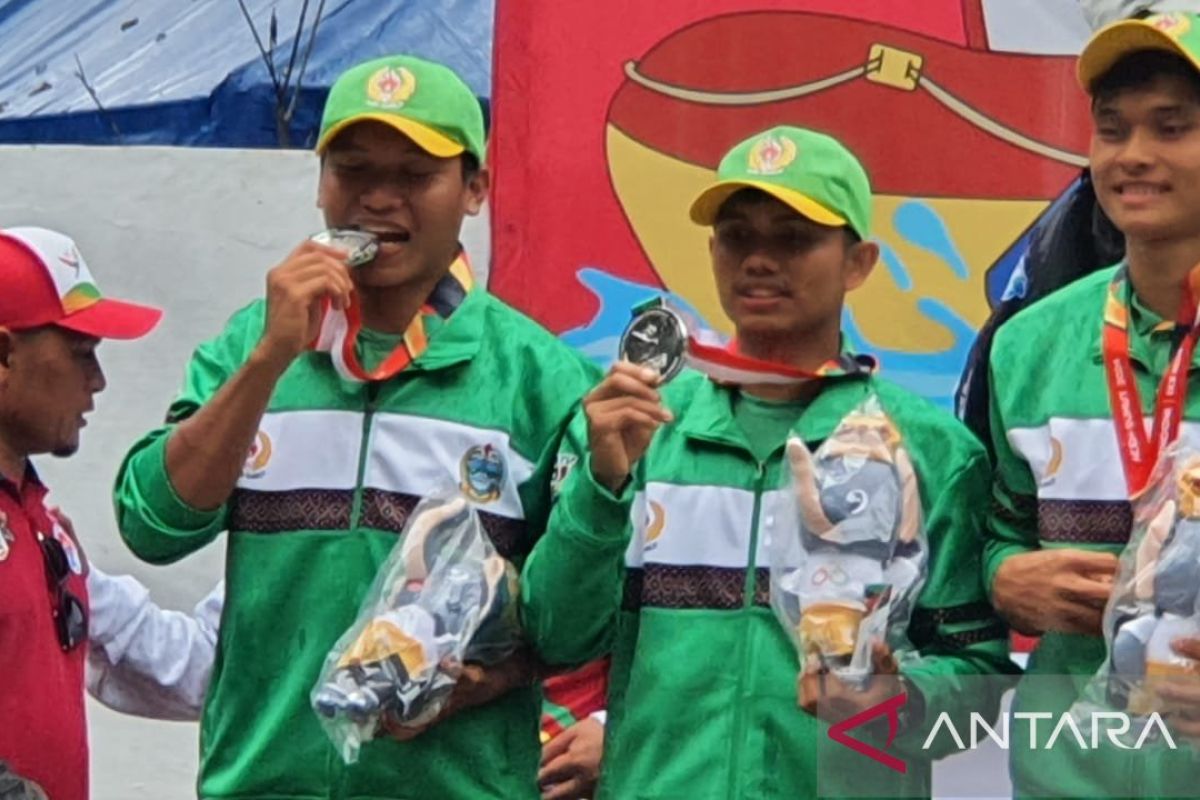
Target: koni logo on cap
(391,87)
(1175,25)
(771,155)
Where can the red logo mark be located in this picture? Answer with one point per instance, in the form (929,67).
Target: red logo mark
(891,708)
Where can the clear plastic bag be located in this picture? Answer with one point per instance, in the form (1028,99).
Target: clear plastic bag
(847,572)
(1156,593)
(443,597)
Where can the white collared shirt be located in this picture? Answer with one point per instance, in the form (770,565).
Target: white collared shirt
(147,660)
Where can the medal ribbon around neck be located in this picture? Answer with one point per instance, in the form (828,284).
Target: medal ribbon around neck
(725,365)
(340,328)
(1140,452)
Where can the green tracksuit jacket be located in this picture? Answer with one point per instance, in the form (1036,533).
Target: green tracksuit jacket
(1060,483)
(336,469)
(703,686)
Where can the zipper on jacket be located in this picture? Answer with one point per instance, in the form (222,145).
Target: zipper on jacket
(364,451)
(739,711)
(337,770)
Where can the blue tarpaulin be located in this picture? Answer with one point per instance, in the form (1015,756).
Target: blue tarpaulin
(188,72)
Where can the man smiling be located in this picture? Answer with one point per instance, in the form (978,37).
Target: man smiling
(1065,465)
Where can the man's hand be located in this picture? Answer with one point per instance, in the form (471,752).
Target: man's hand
(1181,694)
(826,697)
(623,413)
(571,762)
(295,291)
(1061,591)
(476,686)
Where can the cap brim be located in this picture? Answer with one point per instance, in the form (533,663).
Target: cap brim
(1118,40)
(112,319)
(425,137)
(705,207)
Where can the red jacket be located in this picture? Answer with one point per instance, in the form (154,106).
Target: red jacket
(43,727)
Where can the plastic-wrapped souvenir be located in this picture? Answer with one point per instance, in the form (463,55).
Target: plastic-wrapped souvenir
(443,597)
(847,575)
(1156,594)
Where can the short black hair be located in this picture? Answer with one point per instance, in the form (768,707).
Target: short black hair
(469,161)
(1141,68)
(751,195)
(470,166)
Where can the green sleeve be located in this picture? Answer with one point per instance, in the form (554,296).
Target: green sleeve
(1012,522)
(571,584)
(964,663)
(156,524)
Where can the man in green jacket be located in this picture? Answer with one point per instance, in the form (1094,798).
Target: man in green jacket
(419,382)
(690,479)
(1066,465)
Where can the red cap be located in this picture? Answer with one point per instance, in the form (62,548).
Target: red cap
(45,281)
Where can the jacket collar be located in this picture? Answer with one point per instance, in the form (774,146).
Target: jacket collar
(709,417)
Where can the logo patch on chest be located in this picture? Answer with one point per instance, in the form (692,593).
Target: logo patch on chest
(482,473)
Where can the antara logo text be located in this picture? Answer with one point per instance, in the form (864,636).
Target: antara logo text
(1044,731)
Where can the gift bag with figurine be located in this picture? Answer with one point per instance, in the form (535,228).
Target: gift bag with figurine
(443,597)
(847,572)
(1156,592)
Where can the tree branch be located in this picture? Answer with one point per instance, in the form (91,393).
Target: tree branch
(112,123)
(312,38)
(262,51)
(287,75)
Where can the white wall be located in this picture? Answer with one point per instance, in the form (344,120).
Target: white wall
(194,232)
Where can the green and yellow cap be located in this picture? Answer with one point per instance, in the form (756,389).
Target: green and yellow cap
(1176,33)
(427,102)
(810,172)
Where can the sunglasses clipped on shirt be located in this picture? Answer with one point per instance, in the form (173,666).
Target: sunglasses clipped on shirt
(70,617)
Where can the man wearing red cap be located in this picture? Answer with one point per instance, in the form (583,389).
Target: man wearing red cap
(52,317)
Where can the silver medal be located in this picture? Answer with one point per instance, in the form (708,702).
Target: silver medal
(361,245)
(656,337)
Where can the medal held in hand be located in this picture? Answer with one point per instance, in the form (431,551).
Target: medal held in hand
(362,246)
(656,337)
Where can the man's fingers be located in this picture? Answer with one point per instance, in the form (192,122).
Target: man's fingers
(402,733)
(405,734)
(570,789)
(810,691)
(883,661)
(1188,648)
(308,264)
(315,280)
(644,374)
(1096,565)
(308,246)
(1079,619)
(1186,727)
(557,769)
(619,384)
(610,413)
(338,271)
(1182,691)
(320,285)
(310,267)
(1085,592)
(556,746)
